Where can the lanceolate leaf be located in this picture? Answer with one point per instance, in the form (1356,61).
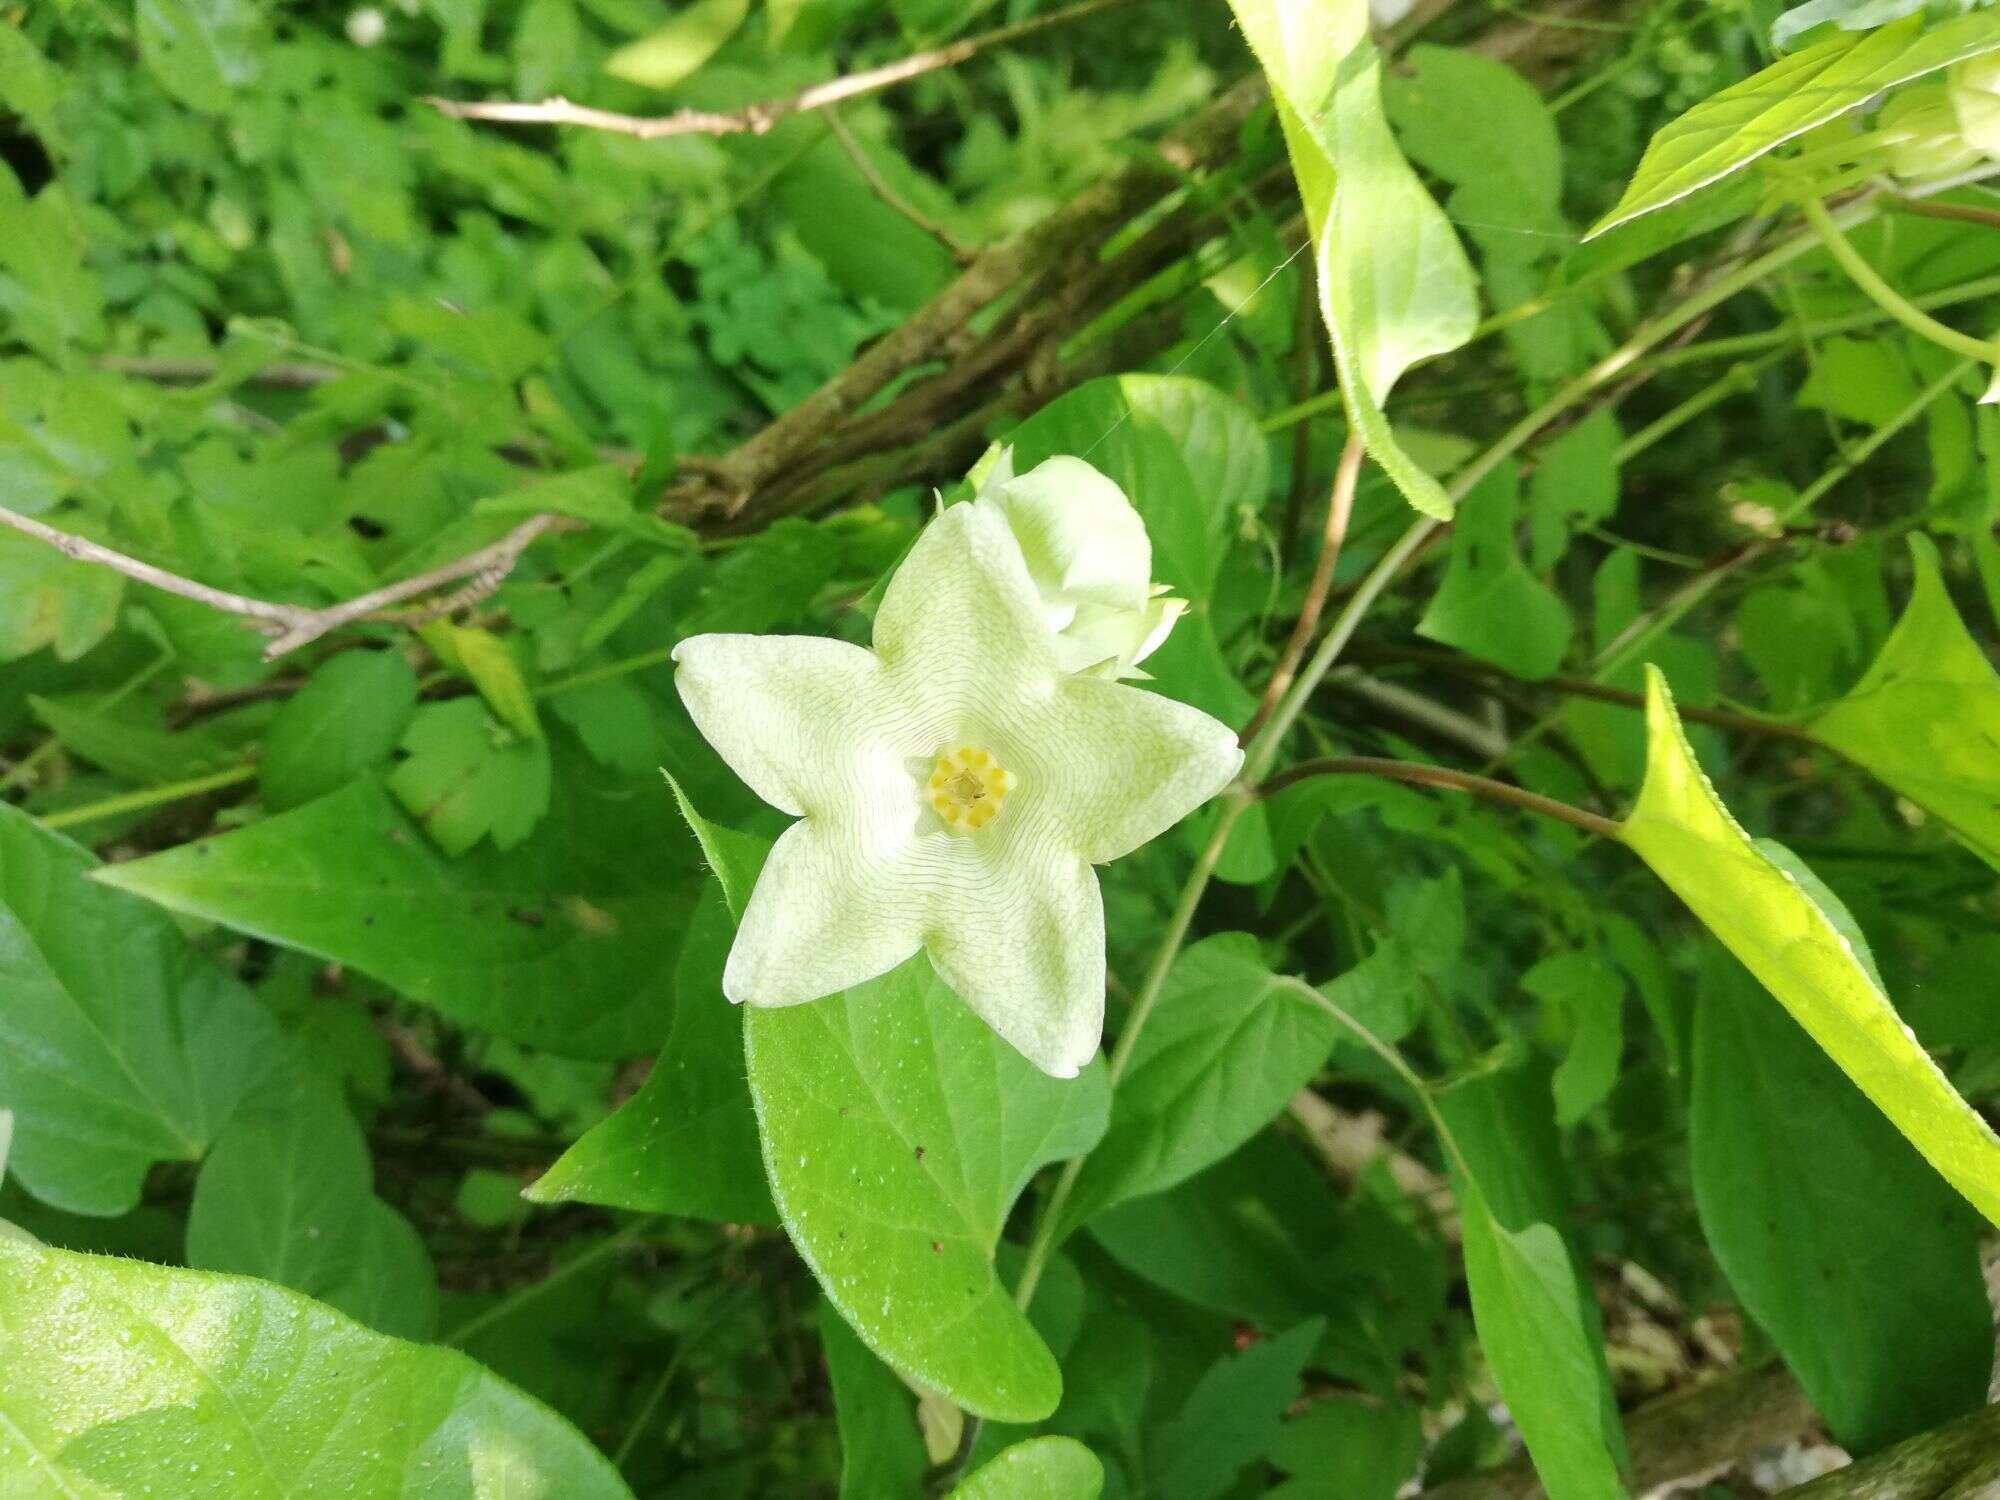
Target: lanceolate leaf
(1925,719)
(1863,1268)
(1395,286)
(124,1377)
(564,942)
(898,1131)
(119,1045)
(1767,917)
(1726,133)
(1525,1304)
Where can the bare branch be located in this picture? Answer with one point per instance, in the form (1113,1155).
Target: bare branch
(755,119)
(294,625)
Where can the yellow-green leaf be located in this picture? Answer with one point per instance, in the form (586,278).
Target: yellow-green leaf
(1925,720)
(1767,916)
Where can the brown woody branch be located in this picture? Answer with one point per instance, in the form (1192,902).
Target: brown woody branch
(1694,1431)
(1960,1461)
(755,119)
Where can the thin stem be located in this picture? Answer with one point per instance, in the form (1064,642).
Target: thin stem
(1739,380)
(1339,508)
(1964,213)
(515,1300)
(1792,332)
(1397,1065)
(1049,1221)
(756,119)
(152,796)
(1263,750)
(1886,297)
(1442,776)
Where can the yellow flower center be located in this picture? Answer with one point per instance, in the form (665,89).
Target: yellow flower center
(968,787)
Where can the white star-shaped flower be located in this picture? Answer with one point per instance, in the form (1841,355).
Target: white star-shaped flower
(953,786)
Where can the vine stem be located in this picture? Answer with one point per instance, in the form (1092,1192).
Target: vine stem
(1397,1065)
(1886,297)
(1418,774)
(152,796)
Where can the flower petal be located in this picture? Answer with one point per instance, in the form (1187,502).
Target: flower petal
(1128,764)
(828,912)
(960,623)
(1024,949)
(787,712)
(1081,537)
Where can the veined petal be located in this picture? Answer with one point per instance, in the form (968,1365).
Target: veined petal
(960,624)
(830,909)
(787,712)
(1024,948)
(1081,537)
(1128,764)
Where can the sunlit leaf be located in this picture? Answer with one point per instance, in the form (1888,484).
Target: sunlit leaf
(1768,917)
(123,1376)
(1727,132)
(1395,286)
(1042,1468)
(898,1129)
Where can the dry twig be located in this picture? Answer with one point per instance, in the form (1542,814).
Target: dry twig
(755,119)
(291,626)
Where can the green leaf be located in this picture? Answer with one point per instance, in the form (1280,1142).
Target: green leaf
(119,1045)
(199,50)
(1341,1448)
(686,1143)
(466,778)
(1575,484)
(1229,1043)
(1592,997)
(1863,1266)
(346,720)
(600,494)
(561,944)
(680,47)
(1489,604)
(1925,719)
(1796,94)
(1769,919)
(1549,1367)
(48,600)
(1232,1416)
(1395,286)
(490,664)
(123,1376)
(125,747)
(898,1130)
(1042,1468)
(393,1286)
(881,1449)
(284,1193)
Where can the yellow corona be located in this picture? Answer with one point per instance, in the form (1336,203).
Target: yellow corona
(968,787)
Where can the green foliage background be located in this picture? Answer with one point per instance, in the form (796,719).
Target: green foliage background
(366,1001)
